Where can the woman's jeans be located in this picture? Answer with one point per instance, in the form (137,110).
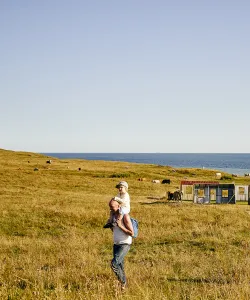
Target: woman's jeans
(117,263)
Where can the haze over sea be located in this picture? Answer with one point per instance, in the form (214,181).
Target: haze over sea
(234,163)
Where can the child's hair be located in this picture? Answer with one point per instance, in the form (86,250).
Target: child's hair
(123,183)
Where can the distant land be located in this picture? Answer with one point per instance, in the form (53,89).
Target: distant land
(234,163)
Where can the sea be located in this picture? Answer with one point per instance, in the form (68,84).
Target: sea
(234,163)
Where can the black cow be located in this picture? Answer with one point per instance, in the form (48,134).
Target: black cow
(177,195)
(165,181)
(170,196)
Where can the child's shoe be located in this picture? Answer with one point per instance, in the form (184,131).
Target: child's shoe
(108,225)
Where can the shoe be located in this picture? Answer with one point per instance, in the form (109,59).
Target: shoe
(108,225)
(123,286)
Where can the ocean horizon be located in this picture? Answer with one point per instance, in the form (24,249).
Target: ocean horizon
(234,163)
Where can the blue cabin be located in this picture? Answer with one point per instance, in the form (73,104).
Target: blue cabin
(223,193)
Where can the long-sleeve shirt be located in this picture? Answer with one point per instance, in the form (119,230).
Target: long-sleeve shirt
(124,200)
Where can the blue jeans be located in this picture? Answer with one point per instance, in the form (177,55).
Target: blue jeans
(117,263)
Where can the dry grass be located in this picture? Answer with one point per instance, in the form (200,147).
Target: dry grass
(53,245)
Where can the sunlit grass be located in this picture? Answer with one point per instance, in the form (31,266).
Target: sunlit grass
(53,245)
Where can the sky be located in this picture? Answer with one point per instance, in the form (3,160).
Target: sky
(125,76)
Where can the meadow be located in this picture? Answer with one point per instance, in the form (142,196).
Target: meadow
(53,245)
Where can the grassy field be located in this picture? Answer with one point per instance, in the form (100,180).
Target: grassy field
(53,245)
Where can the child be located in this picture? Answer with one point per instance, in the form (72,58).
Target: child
(122,198)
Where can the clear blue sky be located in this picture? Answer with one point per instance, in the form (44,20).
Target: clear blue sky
(125,76)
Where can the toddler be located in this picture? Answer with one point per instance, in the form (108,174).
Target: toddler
(122,198)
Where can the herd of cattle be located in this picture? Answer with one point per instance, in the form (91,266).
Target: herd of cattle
(177,195)
(164,181)
(246,175)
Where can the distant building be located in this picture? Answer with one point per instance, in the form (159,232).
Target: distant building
(242,192)
(210,192)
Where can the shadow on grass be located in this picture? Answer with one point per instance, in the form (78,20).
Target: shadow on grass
(202,246)
(157,198)
(161,202)
(199,280)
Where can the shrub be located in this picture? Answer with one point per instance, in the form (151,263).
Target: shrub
(226,177)
(120,175)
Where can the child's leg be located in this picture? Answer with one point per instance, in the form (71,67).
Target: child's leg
(123,211)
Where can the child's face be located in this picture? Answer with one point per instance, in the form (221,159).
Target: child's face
(122,189)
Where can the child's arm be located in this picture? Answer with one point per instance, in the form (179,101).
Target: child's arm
(125,200)
(119,200)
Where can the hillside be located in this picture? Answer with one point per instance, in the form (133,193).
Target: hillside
(53,245)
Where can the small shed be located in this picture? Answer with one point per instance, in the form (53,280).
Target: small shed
(241,192)
(214,193)
(226,193)
(187,187)
(205,192)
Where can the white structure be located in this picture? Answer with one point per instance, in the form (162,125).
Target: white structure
(218,175)
(241,192)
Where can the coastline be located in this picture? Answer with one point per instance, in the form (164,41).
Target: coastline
(233,163)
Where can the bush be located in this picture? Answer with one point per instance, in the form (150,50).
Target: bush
(120,175)
(226,177)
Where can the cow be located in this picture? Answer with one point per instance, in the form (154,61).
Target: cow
(156,181)
(142,179)
(177,195)
(170,195)
(49,161)
(165,181)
